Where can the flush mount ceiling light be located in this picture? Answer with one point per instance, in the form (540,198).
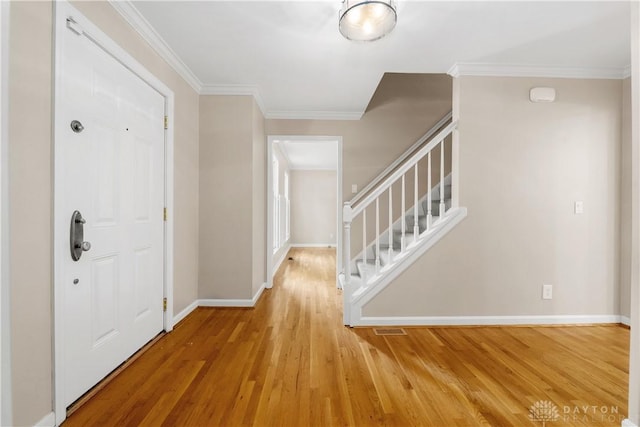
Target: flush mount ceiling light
(367,20)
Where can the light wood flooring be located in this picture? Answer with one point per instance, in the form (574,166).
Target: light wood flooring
(290,362)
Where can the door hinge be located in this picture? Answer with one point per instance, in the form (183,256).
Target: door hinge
(164,213)
(166,122)
(164,304)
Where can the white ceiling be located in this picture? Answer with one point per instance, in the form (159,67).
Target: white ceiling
(303,154)
(291,56)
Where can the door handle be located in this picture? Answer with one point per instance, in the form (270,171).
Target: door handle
(76,236)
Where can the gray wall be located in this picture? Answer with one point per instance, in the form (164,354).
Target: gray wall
(232,198)
(31,190)
(314,204)
(522,167)
(259,200)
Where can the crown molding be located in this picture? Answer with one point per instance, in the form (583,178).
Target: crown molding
(151,36)
(235,90)
(510,70)
(315,115)
(139,23)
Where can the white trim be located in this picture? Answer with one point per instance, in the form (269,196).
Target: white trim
(168,197)
(5,292)
(633,398)
(277,264)
(184,313)
(308,168)
(233,302)
(488,320)
(314,245)
(512,70)
(314,115)
(157,43)
(269,242)
(625,320)
(339,210)
(628,423)
(48,420)
(62,9)
(219,303)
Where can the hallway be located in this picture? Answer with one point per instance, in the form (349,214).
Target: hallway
(290,362)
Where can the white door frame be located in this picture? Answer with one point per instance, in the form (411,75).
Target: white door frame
(5,330)
(270,141)
(63,10)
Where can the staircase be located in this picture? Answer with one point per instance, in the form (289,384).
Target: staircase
(417,177)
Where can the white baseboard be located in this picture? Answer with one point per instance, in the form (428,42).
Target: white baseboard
(625,320)
(628,423)
(313,245)
(487,320)
(184,313)
(48,420)
(233,302)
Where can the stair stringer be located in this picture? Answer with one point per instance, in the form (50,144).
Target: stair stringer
(414,252)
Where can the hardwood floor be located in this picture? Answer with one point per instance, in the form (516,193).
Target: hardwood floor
(290,362)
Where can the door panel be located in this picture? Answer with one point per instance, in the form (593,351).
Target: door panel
(113,173)
(104,299)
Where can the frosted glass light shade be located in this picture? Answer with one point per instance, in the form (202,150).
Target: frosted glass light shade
(367,20)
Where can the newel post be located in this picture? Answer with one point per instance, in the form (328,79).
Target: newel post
(347,217)
(346,249)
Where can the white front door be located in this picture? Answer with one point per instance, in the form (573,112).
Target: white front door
(111,152)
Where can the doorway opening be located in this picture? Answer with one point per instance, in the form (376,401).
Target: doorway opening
(304,197)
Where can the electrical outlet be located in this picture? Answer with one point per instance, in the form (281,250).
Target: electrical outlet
(547,291)
(578,207)
(354,188)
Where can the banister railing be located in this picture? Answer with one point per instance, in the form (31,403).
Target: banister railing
(374,182)
(384,185)
(371,269)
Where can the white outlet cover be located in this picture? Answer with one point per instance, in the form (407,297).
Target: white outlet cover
(547,292)
(578,207)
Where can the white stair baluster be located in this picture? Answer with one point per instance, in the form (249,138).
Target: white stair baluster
(377,235)
(390,224)
(364,247)
(442,206)
(404,219)
(416,227)
(429,217)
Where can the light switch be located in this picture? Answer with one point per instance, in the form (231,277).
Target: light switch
(354,188)
(578,207)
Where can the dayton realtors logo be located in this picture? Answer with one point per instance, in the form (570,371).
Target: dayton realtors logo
(544,411)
